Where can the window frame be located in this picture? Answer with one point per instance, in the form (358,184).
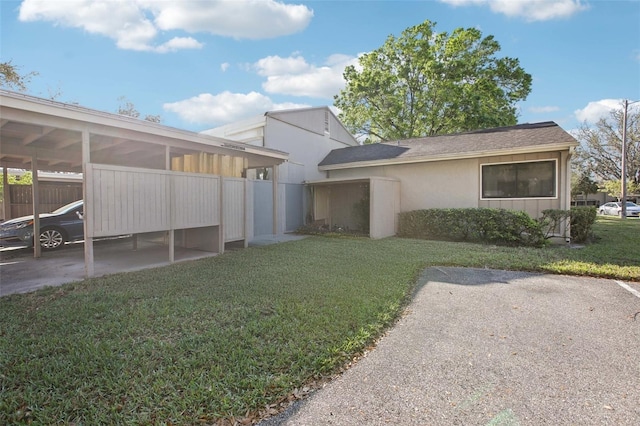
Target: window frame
(504,163)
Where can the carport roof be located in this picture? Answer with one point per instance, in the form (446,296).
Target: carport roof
(51,131)
(537,137)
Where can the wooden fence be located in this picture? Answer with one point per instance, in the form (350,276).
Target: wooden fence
(52,195)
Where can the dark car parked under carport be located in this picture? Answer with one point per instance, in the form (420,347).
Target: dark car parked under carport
(56,228)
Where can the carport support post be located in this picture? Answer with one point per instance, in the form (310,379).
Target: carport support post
(275,198)
(7,194)
(35,194)
(87,196)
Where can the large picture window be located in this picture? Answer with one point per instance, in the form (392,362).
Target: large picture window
(536,179)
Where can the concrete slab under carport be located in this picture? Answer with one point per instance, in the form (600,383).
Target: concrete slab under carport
(20,272)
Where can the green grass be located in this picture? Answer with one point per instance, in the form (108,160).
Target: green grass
(224,337)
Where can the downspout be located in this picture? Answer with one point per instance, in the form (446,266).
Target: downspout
(567,199)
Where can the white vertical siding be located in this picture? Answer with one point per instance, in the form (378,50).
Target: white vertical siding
(233,206)
(195,198)
(131,200)
(127,200)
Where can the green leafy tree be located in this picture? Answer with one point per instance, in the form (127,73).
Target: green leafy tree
(11,78)
(24,179)
(583,184)
(614,188)
(600,150)
(126,107)
(428,83)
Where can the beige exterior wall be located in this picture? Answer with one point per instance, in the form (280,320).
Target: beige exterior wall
(457,183)
(427,185)
(384,207)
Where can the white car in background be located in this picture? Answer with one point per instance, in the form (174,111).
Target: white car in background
(615,208)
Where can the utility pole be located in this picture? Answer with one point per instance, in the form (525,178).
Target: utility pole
(623,165)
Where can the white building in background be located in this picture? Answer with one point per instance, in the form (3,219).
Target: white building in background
(308,135)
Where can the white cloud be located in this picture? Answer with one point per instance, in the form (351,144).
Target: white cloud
(543,109)
(530,10)
(247,19)
(178,43)
(137,24)
(596,110)
(225,66)
(225,107)
(296,77)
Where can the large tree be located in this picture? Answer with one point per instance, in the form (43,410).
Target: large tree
(600,150)
(428,83)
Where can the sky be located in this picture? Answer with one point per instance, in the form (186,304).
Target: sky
(199,64)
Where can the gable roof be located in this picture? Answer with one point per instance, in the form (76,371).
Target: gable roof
(536,137)
(312,119)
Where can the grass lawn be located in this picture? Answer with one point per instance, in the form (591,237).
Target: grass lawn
(238,335)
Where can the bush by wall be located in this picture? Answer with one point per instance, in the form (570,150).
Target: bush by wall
(582,219)
(494,226)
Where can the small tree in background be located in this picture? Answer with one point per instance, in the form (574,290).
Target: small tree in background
(583,184)
(600,150)
(126,107)
(25,179)
(614,188)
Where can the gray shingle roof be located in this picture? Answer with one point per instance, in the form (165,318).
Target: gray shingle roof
(519,137)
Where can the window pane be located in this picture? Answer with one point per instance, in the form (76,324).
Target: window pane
(519,180)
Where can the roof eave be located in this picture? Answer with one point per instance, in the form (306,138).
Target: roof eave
(445,157)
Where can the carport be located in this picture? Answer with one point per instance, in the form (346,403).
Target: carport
(139,178)
(339,202)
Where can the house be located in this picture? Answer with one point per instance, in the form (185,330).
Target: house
(524,167)
(307,135)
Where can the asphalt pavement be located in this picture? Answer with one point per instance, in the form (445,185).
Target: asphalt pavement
(487,347)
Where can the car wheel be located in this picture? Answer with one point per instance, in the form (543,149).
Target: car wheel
(601,211)
(51,238)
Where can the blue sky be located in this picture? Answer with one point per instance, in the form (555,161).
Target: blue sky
(200,64)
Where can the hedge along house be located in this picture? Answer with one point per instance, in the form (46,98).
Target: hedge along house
(139,178)
(307,135)
(524,167)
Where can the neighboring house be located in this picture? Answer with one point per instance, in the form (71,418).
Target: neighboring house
(307,135)
(524,167)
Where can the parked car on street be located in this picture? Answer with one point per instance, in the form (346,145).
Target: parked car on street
(56,228)
(615,209)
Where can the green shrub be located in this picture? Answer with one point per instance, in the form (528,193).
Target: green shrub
(582,220)
(552,220)
(494,226)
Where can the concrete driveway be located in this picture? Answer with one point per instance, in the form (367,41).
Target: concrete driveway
(485,347)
